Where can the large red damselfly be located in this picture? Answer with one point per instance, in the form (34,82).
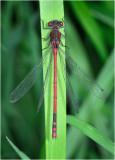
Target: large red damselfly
(31,78)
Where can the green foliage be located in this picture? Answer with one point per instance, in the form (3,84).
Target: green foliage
(90,26)
(90,37)
(92,110)
(91,132)
(20,154)
(55,148)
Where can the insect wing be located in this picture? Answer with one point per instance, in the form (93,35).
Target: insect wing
(28,81)
(44,84)
(69,88)
(85,80)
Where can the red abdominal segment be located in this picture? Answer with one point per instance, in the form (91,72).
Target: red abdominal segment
(54,127)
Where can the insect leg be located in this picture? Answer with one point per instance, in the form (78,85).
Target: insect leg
(62,27)
(63,35)
(46,47)
(64,45)
(45,39)
(43,25)
(64,22)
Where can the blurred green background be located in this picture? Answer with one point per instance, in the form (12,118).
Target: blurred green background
(90,32)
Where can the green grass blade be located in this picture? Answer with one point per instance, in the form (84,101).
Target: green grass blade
(91,106)
(103,18)
(20,153)
(90,26)
(91,132)
(55,148)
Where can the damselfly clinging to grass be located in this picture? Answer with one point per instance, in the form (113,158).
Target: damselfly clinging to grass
(31,78)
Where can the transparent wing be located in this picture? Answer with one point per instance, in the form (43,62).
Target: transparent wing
(83,78)
(44,84)
(28,81)
(69,88)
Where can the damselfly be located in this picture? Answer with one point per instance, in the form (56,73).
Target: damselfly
(31,78)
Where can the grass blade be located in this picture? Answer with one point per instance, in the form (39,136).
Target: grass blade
(90,26)
(103,18)
(91,107)
(91,132)
(20,153)
(55,148)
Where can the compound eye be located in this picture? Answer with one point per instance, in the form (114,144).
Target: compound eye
(49,24)
(61,23)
